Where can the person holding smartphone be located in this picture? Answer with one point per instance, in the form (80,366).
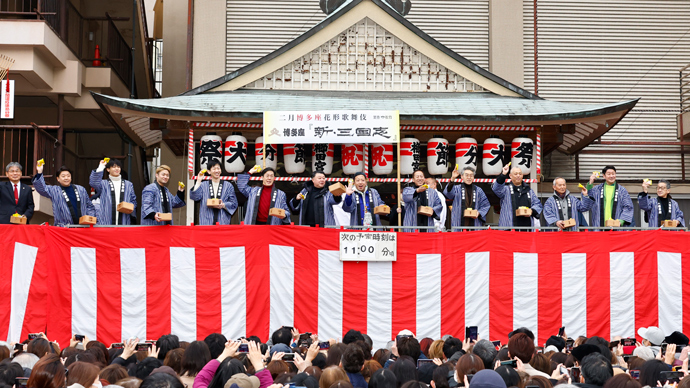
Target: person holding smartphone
(521,346)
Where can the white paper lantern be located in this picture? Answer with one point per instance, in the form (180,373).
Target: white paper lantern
(437,155)
(211,148)
(294,156)
(352,156)
(382,158)
(521,152)
(410,155)
(466,152)
(322,158)
(271,154)
(492,159)
(235,153)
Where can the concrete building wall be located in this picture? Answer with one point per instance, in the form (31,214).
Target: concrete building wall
(175,52)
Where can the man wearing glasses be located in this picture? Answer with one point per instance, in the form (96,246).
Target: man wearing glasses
(662,208)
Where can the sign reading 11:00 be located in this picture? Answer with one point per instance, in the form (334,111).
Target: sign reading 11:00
(368,246)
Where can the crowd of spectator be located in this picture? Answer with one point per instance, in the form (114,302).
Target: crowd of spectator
(291,359)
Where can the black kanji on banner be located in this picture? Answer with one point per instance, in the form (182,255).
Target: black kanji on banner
(209,151)
(415,148)
(472,154)
(320,151)
(299,153)
(498,155)
(442,154)
(240,151)
(525,154)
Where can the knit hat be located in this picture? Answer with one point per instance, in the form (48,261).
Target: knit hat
(487,378)
(644,353)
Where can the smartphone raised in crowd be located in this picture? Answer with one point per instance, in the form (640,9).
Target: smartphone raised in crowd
(635,374)
(117,345)
(289,357)
(79,337)
(469,378)
(628,341)
(143,346)
(510,363)
(497,344)
(244,348)
(399,337)
(304,339)
(670,377)
(561,331)
(575,374)
(34,335)
(421,362)
(21,381)
(471,332)
(324,345)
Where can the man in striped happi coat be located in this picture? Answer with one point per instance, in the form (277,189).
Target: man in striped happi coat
(112,190)
(157,199)
(513,195)
(360,201)
(70,202)
(562,206)
(214,189)
(419,195)
(261,199)
(661,208)
(611,200)
(466,195)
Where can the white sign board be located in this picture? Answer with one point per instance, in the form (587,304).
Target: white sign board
(368,246)
(7,100)
(334,127)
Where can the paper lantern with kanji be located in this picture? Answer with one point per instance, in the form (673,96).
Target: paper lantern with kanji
(437,155)
(410,155)
(322,158)
(235,153)
(521,152)
(271,154)
(211,148)
(294,156)
(352,156)
(466,152)
(492,156)
(382,158)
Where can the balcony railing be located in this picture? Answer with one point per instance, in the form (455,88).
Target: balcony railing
(81,34)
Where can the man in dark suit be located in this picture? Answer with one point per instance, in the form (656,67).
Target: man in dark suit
(15,197)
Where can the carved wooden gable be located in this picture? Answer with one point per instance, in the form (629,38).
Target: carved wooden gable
(365,57)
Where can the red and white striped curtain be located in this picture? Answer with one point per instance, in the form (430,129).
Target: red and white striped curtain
(112,284)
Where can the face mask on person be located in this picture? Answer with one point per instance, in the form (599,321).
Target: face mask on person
(97,384)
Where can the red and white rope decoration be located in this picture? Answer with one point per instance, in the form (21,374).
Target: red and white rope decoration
(373,180)
(366,160)
(402,127)
(538,153)
(190,150)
